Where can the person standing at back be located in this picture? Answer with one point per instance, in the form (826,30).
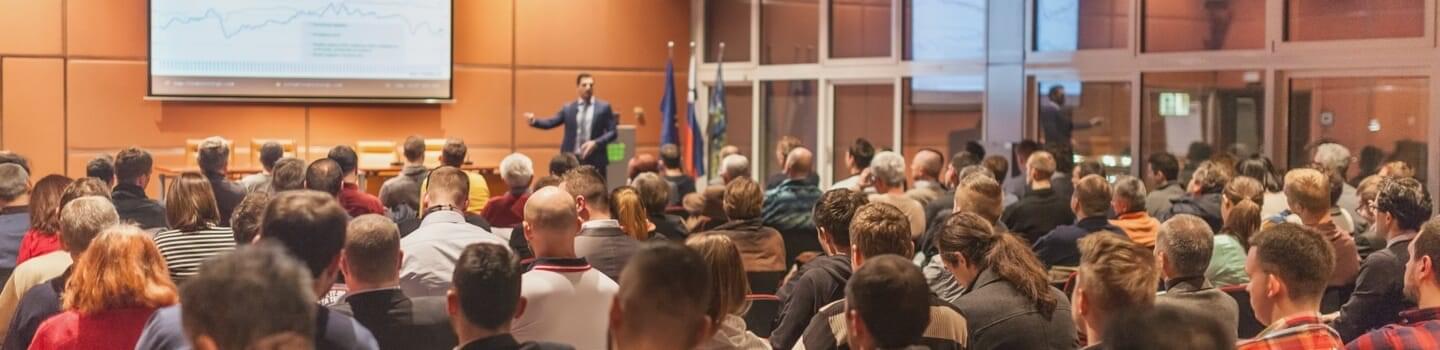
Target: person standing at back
(132,174)
(213,157)
(566,300)
(1040,209)
(401,194)
(590,125)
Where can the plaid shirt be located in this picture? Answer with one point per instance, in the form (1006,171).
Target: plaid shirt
(1418,329)
(1304,332)
(790,206)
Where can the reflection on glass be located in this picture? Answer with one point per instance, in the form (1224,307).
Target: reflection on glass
(789,31)
(1069,25)
(790,110)
(1188,113)
(860,28)
(944,29)
(862,111)
(1092,117)
(727,21)
(942,113)
(1204,25)
(1379,119)
(1312,20)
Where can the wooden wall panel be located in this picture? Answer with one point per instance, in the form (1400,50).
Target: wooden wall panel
(106,28)
(481,113)
(563,33)
(346,124)
(34,117)
(31,27)
(483,31)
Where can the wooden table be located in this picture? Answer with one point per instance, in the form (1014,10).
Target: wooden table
(380,174)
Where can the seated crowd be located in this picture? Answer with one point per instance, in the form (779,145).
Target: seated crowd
(949,252)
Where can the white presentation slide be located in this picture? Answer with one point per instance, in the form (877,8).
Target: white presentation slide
(364,49)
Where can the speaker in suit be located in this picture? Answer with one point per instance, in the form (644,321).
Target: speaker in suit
(590,125)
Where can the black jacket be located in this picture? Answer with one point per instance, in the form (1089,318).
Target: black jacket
(1060,246)
(133,206)
(507,342)
(670,226)
(1001,318)
(1379,295)
(1207,207)
(820,282)
(400,322)
(227,195)
(1037,213)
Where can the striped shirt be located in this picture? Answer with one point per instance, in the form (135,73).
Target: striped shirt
(184,251)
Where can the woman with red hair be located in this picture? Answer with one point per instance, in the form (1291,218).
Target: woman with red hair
(106,304)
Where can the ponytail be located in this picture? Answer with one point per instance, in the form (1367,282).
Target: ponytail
(1243,221)
(968,235)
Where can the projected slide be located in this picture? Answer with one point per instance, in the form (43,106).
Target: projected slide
(301,48)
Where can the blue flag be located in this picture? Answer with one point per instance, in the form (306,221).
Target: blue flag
(717,114)
(668,132)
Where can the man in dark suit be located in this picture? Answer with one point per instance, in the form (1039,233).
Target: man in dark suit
(590,124)
(213,156)
(1400,208)
(371,265)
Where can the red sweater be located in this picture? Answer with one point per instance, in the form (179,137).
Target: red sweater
(35,244)
(111,329)
(505,211)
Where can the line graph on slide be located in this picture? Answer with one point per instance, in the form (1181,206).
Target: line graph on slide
(230,30)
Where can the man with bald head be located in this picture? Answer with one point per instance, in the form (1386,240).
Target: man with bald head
(925,169)
(566,301)
(788,207)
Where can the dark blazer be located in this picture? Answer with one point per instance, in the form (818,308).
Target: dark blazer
(227,196)
(603,131)
(999,317)
(400,322)
(1038,212)
(607,249)
(1202,300)
(1206,206)
(1060,246)
(133,206)
(1379,295)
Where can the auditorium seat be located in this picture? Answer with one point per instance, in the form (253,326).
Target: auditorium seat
(799,241)
(375,154)
(766,282)
(760,318)
(1248,326)
(432,152)
(286,144)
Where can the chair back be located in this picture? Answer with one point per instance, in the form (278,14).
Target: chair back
(432,152)
(1248,326)
(760,318)
(764,282)
(375,154)
(255,144)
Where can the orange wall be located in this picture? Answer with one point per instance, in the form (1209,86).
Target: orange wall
(73,82)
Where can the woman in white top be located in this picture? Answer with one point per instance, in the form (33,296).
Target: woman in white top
(195,232)
(727,296)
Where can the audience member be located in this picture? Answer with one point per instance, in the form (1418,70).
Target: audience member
(1417,328)
(1343,219)
(38,285)
(1006,296)
(508,210)
(1336,158)
(1018,184)
(642,163)
(887,176)
(1116,277)
(354,199)
(565,300)
(1289,267)
(429,252)
(1240,209)
(1308,191)
(787,207)
(43,224)
(1000,168)
(1063,181)
(762,247)
(1182,252)
(1167,327)
(1369,240)
(602,241)
(1087,168)
(401,194)
(102,168)
(15,214)
(1198,152)
(1202,196)
(728,288)
(821,281)
(654,193)
(680,183)
(925,170)
(658,307)
(213,156)
(1396,169)
(979,195)
(486,299)
(33,246)
(223,313)
(886,306)
(733,167)
(879,229)
(1058,249)
(562,163)
(1131,216)
(107,304)
(8,157)
(246,221)
(935,210)
(1162,170)
(629,211)
(857,159)
(547,181)
(1040,209)
(325,175)
(132,175)
(1262,170)
(712,210)
(310,226)
(289,175)
(453,155)
(195,233)
(782,157)
(370,263)
(1401,207)
(270,152)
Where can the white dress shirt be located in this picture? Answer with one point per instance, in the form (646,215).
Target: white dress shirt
(432,250)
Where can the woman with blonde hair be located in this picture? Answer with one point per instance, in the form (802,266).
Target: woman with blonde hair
(727,295)
(43,235)
(107,303)
(195,233)
(630,211)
